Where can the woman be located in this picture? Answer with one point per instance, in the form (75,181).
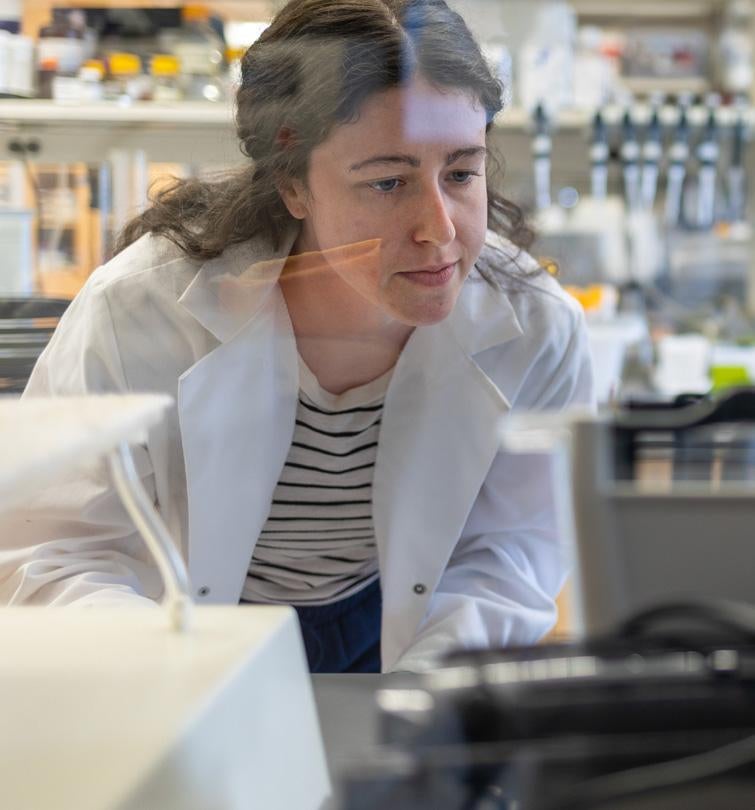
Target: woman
(342,335)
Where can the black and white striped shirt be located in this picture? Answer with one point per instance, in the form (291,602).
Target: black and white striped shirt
(318,543)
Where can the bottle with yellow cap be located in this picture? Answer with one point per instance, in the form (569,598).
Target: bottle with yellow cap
(200,49)
(125,82)
(165,69)
(91,75)
(233,57)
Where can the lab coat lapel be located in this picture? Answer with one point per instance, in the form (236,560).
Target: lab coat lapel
(237,407)
(437,443)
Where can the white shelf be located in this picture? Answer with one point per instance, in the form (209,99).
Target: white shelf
(647,9)
(200,134)
(646,86)
(182,114)
(51,113)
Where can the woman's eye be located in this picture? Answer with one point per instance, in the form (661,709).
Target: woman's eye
(462,177)
(385,185)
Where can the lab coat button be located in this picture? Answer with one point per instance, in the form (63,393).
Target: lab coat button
(203,591)
(419,588)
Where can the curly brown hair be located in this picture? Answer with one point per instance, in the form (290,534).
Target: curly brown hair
(309,72)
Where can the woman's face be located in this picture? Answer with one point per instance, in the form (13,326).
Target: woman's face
(407,178)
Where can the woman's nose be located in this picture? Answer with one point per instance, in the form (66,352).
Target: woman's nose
(433,220)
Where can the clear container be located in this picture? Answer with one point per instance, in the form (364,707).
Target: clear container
(10,16)
(47,70)
(735,55)
(200,51)
(62,41)
(233,57)
(21,66)
(546,59)
(124,83)
(91,77)
(165,72)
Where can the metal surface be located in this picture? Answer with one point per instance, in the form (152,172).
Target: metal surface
(639,546)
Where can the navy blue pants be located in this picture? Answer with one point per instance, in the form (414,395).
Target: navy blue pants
(344,636)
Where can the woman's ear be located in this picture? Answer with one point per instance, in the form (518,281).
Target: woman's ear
(294,196)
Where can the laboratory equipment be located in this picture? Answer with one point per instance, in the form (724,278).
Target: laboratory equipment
(137,708)
(599,153)
(630,157)
(656,707)
(736,176)
(663,507)
(541,159)
(652,152)
(707,153)
(677,170)
(26,326)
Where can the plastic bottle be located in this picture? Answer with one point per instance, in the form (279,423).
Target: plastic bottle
(200,50)
(47,70)
(91,78)
(593,72)
(546,60)
(63,42)
(16,52)
(165,69)
(124,69)
(735,49)
(233,57)
(77,20)
(5,38)
(10,16)
(22,66)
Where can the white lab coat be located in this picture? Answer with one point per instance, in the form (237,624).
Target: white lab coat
(468,551)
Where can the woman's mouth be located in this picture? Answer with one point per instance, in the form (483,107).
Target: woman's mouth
(430,276)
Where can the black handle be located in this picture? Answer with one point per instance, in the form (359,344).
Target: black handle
(736,406)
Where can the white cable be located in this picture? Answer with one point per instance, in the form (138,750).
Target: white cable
(149,524)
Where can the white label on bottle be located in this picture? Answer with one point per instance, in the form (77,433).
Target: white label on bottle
(66,88)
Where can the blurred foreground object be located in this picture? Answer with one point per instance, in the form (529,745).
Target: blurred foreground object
(655,707)
(26,326)
(132,708)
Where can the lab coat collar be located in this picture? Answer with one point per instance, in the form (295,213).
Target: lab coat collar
(483,317)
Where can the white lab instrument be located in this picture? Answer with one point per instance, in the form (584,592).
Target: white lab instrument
(669,527)
(683,365)
(134,709)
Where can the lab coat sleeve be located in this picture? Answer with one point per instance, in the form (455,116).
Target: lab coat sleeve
(500,584)
(73,543)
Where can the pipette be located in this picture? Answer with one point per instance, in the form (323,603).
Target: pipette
(630,156)
(707,156)
(541,158)
(736,172)
(651,159)
(599,158)
(678,156)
